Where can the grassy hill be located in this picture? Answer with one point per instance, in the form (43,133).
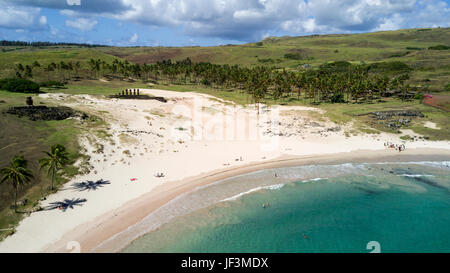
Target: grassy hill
(430,67)
(408,46)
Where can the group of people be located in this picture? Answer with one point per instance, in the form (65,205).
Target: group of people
(397,147)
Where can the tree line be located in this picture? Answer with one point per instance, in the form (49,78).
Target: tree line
(337,82)
(42,44)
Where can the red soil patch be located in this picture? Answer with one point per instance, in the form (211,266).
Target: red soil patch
(158,56)
(148,57)
(438,101)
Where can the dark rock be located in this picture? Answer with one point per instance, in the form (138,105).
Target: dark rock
(383,115)
(138,97)
(334,129)
(44,112)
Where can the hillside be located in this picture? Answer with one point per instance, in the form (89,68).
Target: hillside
(430,67)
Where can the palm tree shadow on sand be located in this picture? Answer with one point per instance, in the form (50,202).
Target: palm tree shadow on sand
(67,203)
(90,185)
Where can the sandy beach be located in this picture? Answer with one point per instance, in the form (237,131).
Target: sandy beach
(193,140)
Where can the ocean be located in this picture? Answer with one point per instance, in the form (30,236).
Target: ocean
(358,208)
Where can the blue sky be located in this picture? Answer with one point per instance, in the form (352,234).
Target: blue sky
(207,22)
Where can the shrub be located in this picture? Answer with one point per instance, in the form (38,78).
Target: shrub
(389,67)
(19,85)
(413,48)
(205,82)
(269,60)
(336,66)
(439,47)
(418,96)
(29,101)
(293,56)
(397,55)
(337,98)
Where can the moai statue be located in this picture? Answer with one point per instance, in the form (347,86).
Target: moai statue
(123,92)
(126,90)
(138,91)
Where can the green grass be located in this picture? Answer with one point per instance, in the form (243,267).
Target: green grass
(21,136)
(95,87)
(315,50)
(343,113)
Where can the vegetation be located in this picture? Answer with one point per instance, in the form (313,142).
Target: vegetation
(19,85)
(43,44)
(72,63)
(27,137)
(16,174)
(334,82)
(56,159)
(439,47)
(349,76)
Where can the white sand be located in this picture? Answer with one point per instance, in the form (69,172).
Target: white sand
(189,135)
(431,125)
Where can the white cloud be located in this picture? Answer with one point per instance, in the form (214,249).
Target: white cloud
(134,38)
(43,20)
(13,17)
(73,2)
(244,20)
(252,19)
(82,24)
(53,31)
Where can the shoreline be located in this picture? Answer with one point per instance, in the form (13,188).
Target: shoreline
(194,140)
(100,235)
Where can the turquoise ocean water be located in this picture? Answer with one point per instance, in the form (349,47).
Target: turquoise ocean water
(405,207)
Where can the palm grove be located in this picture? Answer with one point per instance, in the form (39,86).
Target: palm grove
(336,82)
(17,173)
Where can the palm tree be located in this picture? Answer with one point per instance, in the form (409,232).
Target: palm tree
(16,174)
(55,160)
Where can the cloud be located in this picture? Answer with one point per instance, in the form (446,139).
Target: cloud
(12,17)
(43,20)
(82,24)
(134,38)
(253,19)
(248,20)
(73,2)
(82,6)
